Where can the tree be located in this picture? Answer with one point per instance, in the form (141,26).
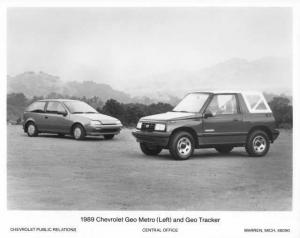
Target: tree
(114,108)
(17,99)
(282,111)
(16,103)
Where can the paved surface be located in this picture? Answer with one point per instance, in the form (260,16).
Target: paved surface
(48,172)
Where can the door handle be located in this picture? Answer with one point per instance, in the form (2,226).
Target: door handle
(46,117)
(235,119)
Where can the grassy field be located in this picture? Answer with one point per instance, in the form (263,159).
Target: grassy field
(52,173)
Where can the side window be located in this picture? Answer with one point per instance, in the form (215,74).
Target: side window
(55,107)
(256,102)
(222,105)
(36,107)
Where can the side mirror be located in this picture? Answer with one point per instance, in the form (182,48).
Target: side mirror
(207,114)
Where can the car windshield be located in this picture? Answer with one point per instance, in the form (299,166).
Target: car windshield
(79,107)
(192,102)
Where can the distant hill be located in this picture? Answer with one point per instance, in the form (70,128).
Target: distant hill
(269,74)
(34,84)
(42,84)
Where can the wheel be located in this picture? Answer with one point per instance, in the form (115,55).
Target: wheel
(258,143)
(182,145)
(224,149)
(32,129)
(108,137)
(78,132)
(61,134)
(149,149)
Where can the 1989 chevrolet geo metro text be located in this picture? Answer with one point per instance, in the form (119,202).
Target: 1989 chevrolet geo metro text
(220,120)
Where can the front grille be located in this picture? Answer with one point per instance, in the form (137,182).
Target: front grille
(146,126)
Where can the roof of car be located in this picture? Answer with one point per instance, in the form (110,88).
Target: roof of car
(57,100)
(228,91)
(258,100)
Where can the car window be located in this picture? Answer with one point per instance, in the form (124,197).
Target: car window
(256,102)
(54,107)
(79,107)
(222,105)
(191,103)
(36,107)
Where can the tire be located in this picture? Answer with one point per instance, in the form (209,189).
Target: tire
(224,149)
(31,129)
(182,145)
(78,132)
(150,149)
(258,144)
(108,137)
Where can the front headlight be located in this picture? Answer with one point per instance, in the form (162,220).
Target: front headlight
(160,127)
(95,123)
(119,123)
(139,125)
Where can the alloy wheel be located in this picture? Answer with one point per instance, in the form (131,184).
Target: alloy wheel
(259,144)
(184,145)
(77,133)
(31,129)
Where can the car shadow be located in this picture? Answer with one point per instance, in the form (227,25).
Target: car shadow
(205,155)
(68,137)
(233,154)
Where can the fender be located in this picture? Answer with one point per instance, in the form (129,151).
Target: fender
(29,119)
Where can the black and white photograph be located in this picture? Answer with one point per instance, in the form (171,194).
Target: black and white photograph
(153,109)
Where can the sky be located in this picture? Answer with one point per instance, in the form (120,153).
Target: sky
(119,46)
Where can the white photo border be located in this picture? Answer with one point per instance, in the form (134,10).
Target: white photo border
(233,222)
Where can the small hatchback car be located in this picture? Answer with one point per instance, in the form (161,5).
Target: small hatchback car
(220,120)
(64,116)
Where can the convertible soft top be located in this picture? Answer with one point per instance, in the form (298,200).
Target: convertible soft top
(255,101)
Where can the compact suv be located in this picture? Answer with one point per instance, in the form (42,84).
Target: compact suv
(64,116)
(220,120)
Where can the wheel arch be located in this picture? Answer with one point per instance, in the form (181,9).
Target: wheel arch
(189,130)
(75,124)
(27,122)
(266,129)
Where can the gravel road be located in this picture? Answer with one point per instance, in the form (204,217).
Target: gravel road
(52,173)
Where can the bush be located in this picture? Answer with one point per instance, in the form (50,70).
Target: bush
(130,113)
(16,104)
(282,111)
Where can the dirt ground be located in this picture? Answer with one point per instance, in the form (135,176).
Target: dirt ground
(52,173)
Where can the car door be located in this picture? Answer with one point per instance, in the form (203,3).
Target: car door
(57,118)
(223,121)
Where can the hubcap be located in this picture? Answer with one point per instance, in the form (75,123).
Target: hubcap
(31,129)
(184,146)
(77,132)
(259,144)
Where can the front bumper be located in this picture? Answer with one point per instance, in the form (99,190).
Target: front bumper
(103,130)
(156,138)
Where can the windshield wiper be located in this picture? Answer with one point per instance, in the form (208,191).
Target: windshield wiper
(90,112)
(77,112)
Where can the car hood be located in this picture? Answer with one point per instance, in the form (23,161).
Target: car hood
(169,116)
(100,117)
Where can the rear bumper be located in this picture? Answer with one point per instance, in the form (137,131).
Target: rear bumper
(155,138)
(275,134)
(103,130)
